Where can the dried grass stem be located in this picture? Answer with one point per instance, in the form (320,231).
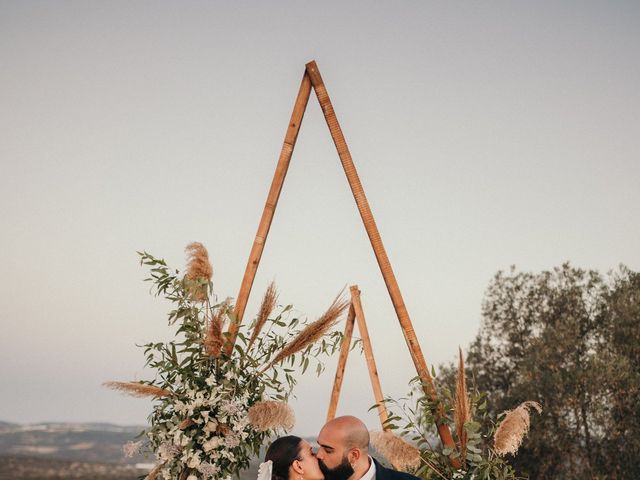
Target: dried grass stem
(313,332)
(268,304)
(139,390)
(462,412)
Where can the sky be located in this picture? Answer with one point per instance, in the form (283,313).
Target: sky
(485,134)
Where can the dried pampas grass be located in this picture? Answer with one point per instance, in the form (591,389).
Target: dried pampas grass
(462,412)
(401,454)
(271,414)
(198,268)
(139,390)
(268,304)
(313,332)
(214,338)
(513,428)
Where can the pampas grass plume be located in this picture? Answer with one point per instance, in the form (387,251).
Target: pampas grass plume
(139,390)
(198,267)
(313,332)
(401,454)
(462,412)
(513,428)
(270,414)
(268,304)
(214,338)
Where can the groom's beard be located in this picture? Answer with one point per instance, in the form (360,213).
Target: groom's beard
(341,472)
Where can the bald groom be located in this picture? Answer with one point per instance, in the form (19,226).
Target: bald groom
(343,453)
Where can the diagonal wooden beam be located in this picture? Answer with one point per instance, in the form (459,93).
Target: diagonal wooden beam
(380,253)
(368,353)
(269,209)
(342,362)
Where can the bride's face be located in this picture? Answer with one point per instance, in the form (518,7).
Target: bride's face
(308,464)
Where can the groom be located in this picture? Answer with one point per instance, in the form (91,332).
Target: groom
(343,453)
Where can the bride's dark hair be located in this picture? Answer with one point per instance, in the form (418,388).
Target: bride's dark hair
(282,452)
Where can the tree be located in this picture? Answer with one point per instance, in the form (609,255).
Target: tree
(622,352)
(570,340)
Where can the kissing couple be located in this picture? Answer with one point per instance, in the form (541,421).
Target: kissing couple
(343,454)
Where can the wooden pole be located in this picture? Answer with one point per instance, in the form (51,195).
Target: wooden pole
(269,210)
(342,362)
(368,353)
(380,253)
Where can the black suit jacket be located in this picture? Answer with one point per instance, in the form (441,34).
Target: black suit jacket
(383,473)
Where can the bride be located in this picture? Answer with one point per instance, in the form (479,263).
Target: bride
(290,458)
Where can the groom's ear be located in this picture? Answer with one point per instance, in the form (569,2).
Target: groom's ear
(354,455)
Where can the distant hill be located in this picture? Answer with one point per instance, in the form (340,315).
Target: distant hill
(88,442)
(4,425)
(16,467)
(79,451)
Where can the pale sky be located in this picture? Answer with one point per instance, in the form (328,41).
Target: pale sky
(486,134)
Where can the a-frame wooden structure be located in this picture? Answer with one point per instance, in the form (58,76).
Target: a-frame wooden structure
(312,78)
(357,312)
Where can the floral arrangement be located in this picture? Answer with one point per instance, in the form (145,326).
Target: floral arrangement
(217,400)
(480,453)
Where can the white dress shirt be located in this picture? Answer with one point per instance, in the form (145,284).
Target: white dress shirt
(371,473)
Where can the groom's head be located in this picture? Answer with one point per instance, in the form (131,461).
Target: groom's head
(343,448)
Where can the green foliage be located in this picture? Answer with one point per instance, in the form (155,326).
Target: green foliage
(412,417)
(202,426)
(568,339)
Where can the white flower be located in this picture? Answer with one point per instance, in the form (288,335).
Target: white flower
(208,469)
(240,424)
(194,461)
(167,451)
(211,426)
(180,439)
(209,445)
(179,407)
(229,409)
(231,441)
(228,455)
(192,477)
(211,380)
(131,448)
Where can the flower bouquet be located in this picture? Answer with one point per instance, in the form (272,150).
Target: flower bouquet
(218,398)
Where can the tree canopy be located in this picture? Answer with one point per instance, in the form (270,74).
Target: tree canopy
(569,339)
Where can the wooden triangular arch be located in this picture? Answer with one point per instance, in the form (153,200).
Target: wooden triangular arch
(312,78)
(356,312)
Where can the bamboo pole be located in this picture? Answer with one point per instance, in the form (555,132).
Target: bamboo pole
(269,210)
(368,353)
(342,362)
(380,253)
